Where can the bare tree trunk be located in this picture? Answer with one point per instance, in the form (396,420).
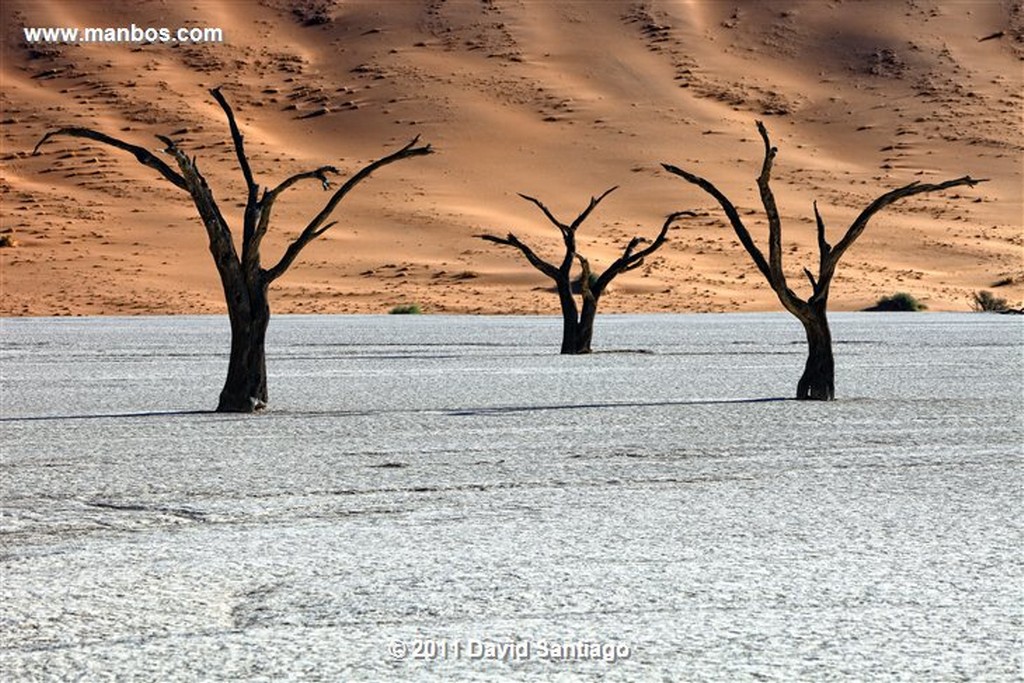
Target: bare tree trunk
(245,388)
(585,331)
(570,321)
(818,381)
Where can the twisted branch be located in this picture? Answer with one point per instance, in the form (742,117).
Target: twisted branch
(772,268)
(536,261)
(316,227)
(143,155)
(631,259)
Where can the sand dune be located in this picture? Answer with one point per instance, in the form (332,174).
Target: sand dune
(557,100)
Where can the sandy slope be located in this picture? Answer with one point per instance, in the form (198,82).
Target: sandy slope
(558,100)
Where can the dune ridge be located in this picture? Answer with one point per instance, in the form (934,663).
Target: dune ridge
(556,100)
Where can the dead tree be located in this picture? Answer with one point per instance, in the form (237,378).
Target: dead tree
(244,279)
(818,379)
(578,322)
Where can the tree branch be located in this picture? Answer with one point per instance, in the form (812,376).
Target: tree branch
(821,285)
(537,262)
(266,205)
(547,212)
(325,228)
(829,256)
(730,212)
(313,229)
(823,246)
(627,253)
(143,155)
(856,229)
(569,231)
(561,273)
(237,139)
(858,226)
(663,234)
(771,210)
(586,292)
(217,229)
(252,207)
(810,276)
(772,268)
(319,174)
(630,260)
(594,201)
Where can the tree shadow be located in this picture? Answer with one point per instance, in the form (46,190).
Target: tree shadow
(110,416)
(451,412)
(597,406)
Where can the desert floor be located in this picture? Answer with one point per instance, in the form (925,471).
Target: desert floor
(452,479)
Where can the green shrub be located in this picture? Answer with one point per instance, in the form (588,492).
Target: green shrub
(900,301)
(406,309)
(986,302)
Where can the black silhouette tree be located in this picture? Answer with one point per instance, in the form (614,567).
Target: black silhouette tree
(818,379)
(578,321)
(244,278)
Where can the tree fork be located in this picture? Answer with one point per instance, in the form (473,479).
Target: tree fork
(244,279)
(818,379)
(578,322)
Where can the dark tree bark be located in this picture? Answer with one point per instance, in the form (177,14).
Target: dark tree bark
(578,321)
(818,379)
(244,279)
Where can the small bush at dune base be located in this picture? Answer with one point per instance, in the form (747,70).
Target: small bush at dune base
(900,301)
(406,309)
(986,302)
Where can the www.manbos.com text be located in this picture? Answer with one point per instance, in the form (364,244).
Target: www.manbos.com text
(123,34)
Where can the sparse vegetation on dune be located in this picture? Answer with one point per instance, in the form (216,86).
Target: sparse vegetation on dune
(900,301)
(1006,281)
(985,301)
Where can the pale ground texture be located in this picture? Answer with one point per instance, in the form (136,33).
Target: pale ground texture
(434,479)
(559,100)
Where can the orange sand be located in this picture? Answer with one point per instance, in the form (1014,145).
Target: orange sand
(559,100)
